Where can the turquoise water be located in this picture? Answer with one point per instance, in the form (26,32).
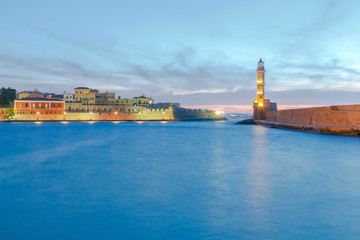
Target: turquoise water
(176,180)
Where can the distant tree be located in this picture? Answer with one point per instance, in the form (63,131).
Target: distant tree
(7,96)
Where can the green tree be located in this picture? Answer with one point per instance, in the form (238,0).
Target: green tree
(10,112)
(7,96)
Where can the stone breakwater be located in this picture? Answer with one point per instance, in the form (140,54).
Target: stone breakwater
(348,131)
(339,120)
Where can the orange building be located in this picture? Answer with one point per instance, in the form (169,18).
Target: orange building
(43,106)
(3,113)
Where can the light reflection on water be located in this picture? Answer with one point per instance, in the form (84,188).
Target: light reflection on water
(259,180)
(180,180)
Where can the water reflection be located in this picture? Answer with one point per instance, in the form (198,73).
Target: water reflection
(258,177)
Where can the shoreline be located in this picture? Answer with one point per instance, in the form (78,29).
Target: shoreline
(68,121)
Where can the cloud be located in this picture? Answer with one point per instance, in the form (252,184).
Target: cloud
(243,108)
(210,91)
(330,75)
(182,74)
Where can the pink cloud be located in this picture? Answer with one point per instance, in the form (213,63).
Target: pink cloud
(242,108)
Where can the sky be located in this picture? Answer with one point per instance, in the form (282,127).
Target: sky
(198,53)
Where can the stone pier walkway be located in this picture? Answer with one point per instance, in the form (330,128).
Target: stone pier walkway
(335,130)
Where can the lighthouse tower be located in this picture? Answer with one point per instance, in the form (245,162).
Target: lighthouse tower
(260,95)
(261,105)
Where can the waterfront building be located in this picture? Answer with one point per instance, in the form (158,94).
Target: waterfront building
(3,113)
(30,94)
(143,101)
(90,105)
(39,106)
(90,96)
(85,95)
(53,95)
(260,104)
(124,102)
(106,98)
(68,97)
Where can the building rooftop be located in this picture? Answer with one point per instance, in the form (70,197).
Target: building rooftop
(41,99)
(143,96)
(82,88)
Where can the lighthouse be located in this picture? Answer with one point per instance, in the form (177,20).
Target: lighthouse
(261,105)
(260,95)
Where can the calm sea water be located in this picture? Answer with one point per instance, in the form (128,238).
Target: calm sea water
(176,180)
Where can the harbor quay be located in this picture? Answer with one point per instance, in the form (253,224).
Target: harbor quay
(88,104)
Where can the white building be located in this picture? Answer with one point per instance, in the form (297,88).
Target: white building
(68,97)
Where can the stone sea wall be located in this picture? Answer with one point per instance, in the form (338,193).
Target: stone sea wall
(146,114)
(340,116)
(191,114)
(166,115)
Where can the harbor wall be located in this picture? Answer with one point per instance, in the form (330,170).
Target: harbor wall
(340,116)
(166,115)
(197,114)
(121,113)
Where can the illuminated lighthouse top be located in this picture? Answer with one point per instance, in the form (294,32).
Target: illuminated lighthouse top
(260,65)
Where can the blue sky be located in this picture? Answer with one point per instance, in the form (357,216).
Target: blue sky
(203,52)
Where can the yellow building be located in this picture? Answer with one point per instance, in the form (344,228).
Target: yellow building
(85,95)
(143,101)
(106,98)
(29,94)
(124,102)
